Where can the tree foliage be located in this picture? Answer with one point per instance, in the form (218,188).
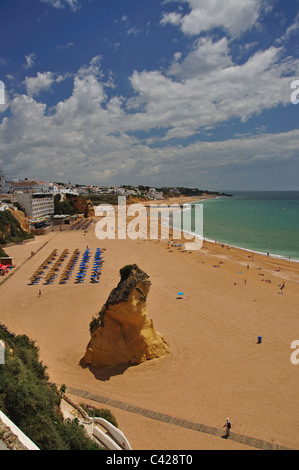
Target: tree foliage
(11,230)
(31,403)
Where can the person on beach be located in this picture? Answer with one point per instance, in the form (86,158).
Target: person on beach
(39,293)
(227,427)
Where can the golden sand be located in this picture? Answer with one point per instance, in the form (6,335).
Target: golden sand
(215,370)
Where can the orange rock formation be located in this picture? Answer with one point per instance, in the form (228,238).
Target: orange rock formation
(123,334)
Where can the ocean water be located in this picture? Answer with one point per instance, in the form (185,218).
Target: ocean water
(263,222)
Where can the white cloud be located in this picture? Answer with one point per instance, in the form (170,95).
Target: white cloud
(73,4)
(172,18)
(81,143)
(235,16)
(206,56)
(130,30)
(43,81)
(93,68)
(89,136)
(2,93)
(292,29)
(213,96)
(30,60)
(66,46)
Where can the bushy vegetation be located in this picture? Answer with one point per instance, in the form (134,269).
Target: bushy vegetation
(63,207)
(102,198)
(179,191)
(2,253)
(31,403)
(125,271)
(11,230)
(100,413)
(97,320)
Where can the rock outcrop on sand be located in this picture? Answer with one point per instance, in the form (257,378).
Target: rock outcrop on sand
(123,334)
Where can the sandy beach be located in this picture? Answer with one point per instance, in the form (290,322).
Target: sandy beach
(216,368)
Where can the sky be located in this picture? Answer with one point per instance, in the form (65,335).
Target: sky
(194,93)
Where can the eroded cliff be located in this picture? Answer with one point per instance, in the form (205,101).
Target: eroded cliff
(123,334)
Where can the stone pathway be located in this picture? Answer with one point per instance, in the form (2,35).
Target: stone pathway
(249,441)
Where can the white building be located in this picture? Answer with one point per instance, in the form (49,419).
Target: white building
(36,204)
(154,194)
(66,190)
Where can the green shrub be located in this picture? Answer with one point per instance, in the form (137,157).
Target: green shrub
(11,230)
(31,403)
(100,413)
(125,272)
(2,252)
(94,324)
(63,207)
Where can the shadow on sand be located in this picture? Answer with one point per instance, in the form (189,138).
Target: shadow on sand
(106,373)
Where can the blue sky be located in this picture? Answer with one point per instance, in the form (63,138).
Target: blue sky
(178,93)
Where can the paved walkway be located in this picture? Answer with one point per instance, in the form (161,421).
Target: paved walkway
(249,441)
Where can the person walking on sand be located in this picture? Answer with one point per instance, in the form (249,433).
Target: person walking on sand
(281,286)
(39,293)
(227,427)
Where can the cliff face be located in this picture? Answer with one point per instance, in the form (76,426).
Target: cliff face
(123,334)
(136,199)
(13,227)
(21,218)
(72,204)
(83,206)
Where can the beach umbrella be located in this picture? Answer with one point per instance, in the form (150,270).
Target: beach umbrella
(180,293)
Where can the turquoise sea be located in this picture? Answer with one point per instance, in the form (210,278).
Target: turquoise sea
(266,222)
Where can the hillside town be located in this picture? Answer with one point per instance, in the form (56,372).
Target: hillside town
(36,198)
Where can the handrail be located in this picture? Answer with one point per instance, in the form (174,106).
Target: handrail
(24,440)
(118,435)
(105,439)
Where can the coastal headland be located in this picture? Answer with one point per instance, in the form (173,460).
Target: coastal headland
(216,368)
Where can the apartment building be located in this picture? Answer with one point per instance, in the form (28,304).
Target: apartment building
(154,194)
(36,204)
